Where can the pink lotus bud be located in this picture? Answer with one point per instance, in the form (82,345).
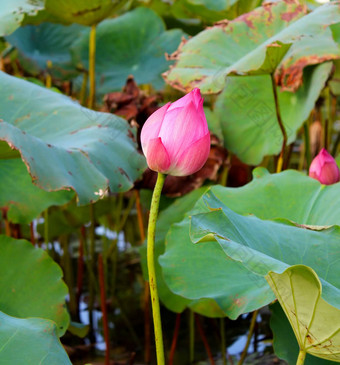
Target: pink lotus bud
(175,138)
(324,168)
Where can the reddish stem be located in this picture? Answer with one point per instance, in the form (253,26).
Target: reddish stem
(204,340)
(174,339)
(103,308)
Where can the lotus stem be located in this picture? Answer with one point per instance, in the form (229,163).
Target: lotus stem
(223,345)
(191,337)
(250,335)
(301,358)
(92,66)
(284,133)
(152,271)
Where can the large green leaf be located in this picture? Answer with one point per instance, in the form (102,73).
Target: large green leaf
(132,44)
(315,322)
(31,283)
(24,200)
(290,194)
(258,43)
(284,341)
(253,248)
(247,112)
(174,213)
(65,145)
(30,341)
(37,45)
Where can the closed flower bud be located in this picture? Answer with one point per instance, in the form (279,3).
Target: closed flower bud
(175,138)
(324,168)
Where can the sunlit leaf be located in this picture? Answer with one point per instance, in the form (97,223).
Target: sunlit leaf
(30,341)
(284,340)
(307,305)
(258,43)
(31,283)
(65,145)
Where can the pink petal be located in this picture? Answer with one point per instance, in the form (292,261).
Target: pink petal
(152,126)
(179,131)
(193,158)
(157,157)
(194,96)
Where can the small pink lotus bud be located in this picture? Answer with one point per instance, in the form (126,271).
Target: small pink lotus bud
(324,168)
(175,138)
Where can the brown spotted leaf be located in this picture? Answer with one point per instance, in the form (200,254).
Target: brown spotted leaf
(276,38)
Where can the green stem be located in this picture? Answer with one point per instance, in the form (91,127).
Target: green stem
(283,130)
(92,66)
(307,144)
(301,358)
(250,335)
(151,268)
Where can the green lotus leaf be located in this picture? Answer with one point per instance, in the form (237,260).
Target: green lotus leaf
(284,341)
(30,341)
(252,247)
(64,145)
(174,213)
(250,125)
(132,44)
(31,283)
(276,38)
(47,42)
(24,200)
(315,322)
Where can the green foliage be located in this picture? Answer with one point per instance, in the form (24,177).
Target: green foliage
(132,44)
(30,341)
(38,45)
(250,247)
(31,284)
(314,320)
(285,343)
(65,145)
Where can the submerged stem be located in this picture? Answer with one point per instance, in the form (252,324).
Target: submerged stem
(151,268)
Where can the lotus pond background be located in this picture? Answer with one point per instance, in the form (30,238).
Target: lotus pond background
(248,248)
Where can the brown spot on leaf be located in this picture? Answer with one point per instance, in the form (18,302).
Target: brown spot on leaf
(86,11)
(290,78)
(290,15)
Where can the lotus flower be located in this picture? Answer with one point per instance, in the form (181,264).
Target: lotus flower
(324,168)
(175,138)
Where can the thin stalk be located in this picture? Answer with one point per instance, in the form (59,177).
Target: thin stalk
(156,314)
(250,335)
(82,94)
(307,145)
(301,358)
(224,176)
(191,336)
(174,338)
(328,119)
(140,217)
(48,80)
(223,344)
(147,326)
(104,308)
(92,66)
(205,341)
(284,133)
